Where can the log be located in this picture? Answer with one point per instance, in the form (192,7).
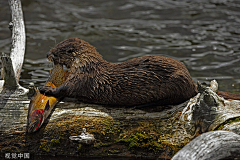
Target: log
(213,145)
(18,37)
(207,111)
(153,132)
(11,66)
(117,131)
(13,97)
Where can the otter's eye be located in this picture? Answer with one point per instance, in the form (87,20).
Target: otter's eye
(70,50)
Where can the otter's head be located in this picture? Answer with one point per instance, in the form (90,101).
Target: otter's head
(66,51)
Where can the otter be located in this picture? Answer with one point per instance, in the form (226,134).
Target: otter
(154,80)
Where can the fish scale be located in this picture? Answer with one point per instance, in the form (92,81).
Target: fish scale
(41,106)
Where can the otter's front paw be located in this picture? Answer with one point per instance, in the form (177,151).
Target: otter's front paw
(47,90)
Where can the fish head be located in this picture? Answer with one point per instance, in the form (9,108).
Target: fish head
(39,109)
(36,120)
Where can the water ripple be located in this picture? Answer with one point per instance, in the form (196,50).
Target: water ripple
(204,35)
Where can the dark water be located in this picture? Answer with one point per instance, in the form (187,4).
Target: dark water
(203,34)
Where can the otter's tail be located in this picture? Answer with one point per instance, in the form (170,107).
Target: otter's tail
(228,95)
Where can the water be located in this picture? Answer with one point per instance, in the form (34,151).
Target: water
(203,34)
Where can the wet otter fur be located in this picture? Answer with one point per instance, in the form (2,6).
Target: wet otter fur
(143,80)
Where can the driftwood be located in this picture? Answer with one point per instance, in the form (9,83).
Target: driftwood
(18,37)
(207,111)
(12,65)
(213,145)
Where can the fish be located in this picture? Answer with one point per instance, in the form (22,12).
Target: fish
(40,105)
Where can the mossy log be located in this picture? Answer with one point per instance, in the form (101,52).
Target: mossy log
(154,132)
(117,131)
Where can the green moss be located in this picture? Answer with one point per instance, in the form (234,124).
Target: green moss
(44,147)
(142,141)
(113,151)
(176,149)
(235,120)
(9,149)
(102,145)
(227,122)
(79,147)
(55,142)
(104,130)
(139,137)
